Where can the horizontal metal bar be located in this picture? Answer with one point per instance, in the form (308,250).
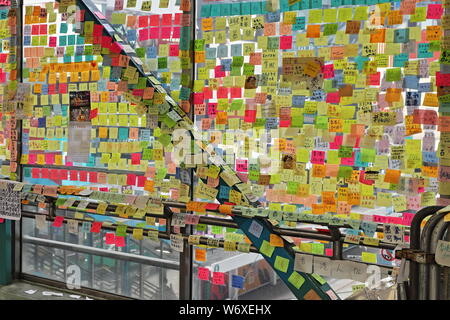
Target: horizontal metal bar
(156,262)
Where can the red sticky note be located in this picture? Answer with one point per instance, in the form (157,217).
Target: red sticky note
(131,179)
(1,220)
(154,20)
(250,116)
(329,252)
(166,19)
(166,32)
(120,241)
(174,50)
(54,174)
(177,18)
(154,33)
(58,222)
(143,21)
(83,175)
(35,173)
(96,226)
(93,114)
(218,278)
(143,34)
(63,174)
(110,238)
(93,177)
(176,33)
(333,97)
(44,173)
(73,175)
(212,206)
(135,158)
(203,273)
(141,181)
(43,29)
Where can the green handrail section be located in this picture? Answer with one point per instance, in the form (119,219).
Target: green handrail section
(258,230)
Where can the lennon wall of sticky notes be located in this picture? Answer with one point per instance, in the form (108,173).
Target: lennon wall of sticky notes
(326,104)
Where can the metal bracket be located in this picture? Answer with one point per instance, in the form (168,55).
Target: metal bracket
(414,255)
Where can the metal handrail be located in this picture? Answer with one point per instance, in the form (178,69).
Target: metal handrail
(173,265)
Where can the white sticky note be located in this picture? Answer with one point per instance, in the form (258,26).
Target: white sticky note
(443,253)
(255,229)
(303,263)
(322,266)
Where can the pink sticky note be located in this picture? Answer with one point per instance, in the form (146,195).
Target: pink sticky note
(110,238)
(434,11)
(174,50)
(120,241)
(250,116)
(241,165)
(218,278)
(144,34)
(286,42)
(407,218)
(2,220)
(203,273)
(58,222)
(49,158)
(317,157)
(333,97)
(329,252)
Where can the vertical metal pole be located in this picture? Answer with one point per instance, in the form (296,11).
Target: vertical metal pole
(185,273)
(141,273)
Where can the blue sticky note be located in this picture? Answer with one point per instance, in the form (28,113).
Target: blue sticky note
(225,9)
(215,10)
(400,59)
(205,11)
(222,51)
(256,7)
(273,16)
(237,281)
(123,133)
(336,3)
(71,39)
(347,2)
(369,228)
(26,172)
(245,8)
(63,28)
(62,40)
(224,192)
(236,49)
(401,35)
(423,50)
(317,4)
(424,87)
(410,82)
(298,101)
(299,23)
(284,5)
(236,9)
(151,52)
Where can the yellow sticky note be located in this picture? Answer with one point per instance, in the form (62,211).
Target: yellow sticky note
(281,263)
(266,249)
(369,257)
(296,279)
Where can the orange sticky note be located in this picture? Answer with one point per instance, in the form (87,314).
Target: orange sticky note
(392,176)
(313,31)
(276,241)
(225,209)
(200,254)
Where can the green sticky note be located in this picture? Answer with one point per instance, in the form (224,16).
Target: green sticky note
(165,139)
(367,155)
(318,278)
(345,151)
(160,173)
(321,122)
(281,263)
(200,227)
(345,172)
(216,229)
(296,280)
(275,178)
(266,249)
(330,28)
(318,248)
(237,104)
(121,230)
(393,74)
